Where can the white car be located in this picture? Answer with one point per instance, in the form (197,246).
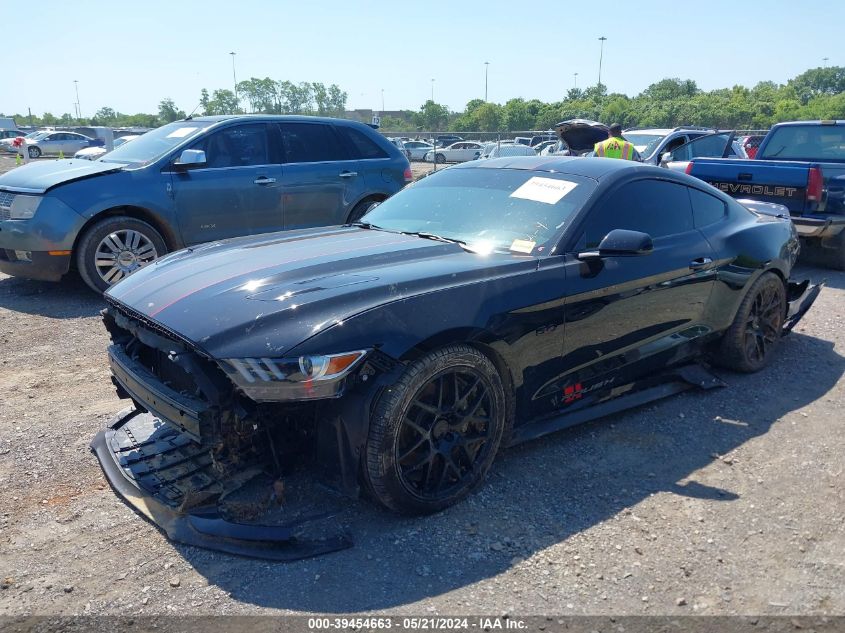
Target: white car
(500,150)
(459,152)
(93,153)
(418,149)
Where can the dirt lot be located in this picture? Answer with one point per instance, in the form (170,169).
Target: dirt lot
(724,502)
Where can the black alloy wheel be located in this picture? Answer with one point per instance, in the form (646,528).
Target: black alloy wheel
(748,344)
(434,434)
(445,434)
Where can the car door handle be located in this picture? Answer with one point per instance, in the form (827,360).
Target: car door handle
(701,262)
(348,174)
(264,180)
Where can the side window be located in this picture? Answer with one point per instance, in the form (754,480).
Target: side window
(236,146)
(362,145)
(656,207)
(310,143)
(706,209)
(712,146)
(674,143)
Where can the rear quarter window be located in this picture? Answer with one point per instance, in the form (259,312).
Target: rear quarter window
(361,144)
(706,209)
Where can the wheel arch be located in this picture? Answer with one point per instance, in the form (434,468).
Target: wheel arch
(139,213)
(478,339)
(370,197)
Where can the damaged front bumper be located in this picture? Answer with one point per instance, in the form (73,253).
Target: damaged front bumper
(171,480)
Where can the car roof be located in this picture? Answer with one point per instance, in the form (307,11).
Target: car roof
(656,130)
(595,168)
(272,117)
(816,122)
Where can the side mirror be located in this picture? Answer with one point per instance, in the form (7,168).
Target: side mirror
(621,242)
(665,158)
(191,159)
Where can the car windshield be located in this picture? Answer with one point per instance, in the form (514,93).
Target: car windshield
(644,143)
(806,142)
(150,146)
(37,136)
(488,209)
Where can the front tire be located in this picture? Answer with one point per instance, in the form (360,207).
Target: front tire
(360,210)
(115,247)
(439,158)
(434,434)
(34,152)
(750,341)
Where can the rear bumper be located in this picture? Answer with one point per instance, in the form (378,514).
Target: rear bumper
(800,297)
(819,226)
(41,266)
(171,480)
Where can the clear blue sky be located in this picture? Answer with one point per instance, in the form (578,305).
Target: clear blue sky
(130,58)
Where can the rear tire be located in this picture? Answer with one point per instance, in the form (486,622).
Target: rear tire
(434,434)
(750,341)
(114,248)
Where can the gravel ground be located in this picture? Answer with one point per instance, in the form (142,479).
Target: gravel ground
(725,502)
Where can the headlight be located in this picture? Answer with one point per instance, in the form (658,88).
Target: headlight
(308,377)
(24,207)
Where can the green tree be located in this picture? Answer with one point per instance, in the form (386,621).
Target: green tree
(432,116)
(819,81)
(222,101)
(168,112)
(336,101)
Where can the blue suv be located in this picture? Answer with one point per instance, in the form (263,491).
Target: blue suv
(188,182)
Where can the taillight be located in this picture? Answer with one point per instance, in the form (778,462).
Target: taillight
(815,184)
(408,175)
(689,168)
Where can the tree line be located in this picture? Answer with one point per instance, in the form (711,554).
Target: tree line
(818,93)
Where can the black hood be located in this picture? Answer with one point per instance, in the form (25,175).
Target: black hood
(581,135)
(261,296)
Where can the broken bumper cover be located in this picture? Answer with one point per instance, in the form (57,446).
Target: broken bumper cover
(800,297)
(159,471)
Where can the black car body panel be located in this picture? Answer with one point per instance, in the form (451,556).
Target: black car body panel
(572,336)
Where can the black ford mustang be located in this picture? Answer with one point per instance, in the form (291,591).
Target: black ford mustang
(484,305)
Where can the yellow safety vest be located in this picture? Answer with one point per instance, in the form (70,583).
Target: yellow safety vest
(615,147)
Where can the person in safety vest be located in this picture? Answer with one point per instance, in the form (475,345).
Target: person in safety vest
(615,146)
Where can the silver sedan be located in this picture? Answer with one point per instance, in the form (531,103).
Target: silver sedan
(61,143)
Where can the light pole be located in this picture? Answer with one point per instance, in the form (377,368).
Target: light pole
(432,89)
(602,39)
(486,67)
(575,87)
(78,107)
(382,100)
(824,59)
(234,80)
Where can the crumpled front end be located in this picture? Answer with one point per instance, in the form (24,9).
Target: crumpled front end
(218,469)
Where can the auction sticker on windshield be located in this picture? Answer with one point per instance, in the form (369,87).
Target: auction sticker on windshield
(180,132)
(523,246)
(547,190)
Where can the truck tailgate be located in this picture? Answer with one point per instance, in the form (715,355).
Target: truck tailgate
(782,182)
